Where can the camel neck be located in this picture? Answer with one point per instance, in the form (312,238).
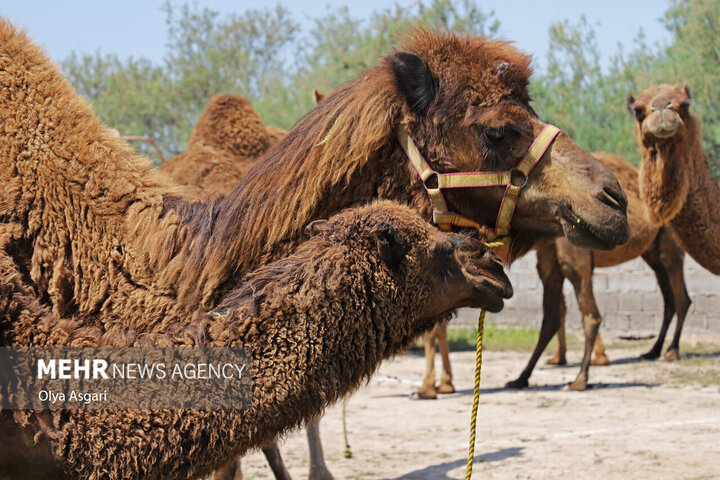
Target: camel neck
(310,174)
(685,178)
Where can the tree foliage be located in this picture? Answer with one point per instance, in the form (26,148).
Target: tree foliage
(265,55)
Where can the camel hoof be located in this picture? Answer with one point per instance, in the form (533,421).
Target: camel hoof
(557,361)
(601,360)
(320,473)
(424,394)
(651,355)
(671,355)
(446,388)
(578,386)
(517,384)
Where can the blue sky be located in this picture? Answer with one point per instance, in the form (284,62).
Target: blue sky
(137,28)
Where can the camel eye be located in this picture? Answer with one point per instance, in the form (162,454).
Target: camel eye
(639,113)
(685,107)
(494,136)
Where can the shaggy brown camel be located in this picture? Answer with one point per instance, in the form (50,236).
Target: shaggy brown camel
(559,260)
(105,240)
(675,180)
(367,282)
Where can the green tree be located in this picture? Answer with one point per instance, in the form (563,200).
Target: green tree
(207,54)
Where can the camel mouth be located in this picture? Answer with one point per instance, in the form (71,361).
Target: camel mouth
(582,233)
(663,133)
(490,290)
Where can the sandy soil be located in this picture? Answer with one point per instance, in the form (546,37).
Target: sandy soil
(651,420)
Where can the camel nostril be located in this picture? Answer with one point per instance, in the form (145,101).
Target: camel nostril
(613,198)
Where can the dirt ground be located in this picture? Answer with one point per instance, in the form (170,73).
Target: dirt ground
(649,420)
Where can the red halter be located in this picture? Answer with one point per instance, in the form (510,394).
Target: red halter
(444,218)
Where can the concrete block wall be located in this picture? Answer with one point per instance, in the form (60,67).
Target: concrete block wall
(627,295)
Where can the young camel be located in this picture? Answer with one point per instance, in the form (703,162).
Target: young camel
(104,239)
(318,324)
(675,180)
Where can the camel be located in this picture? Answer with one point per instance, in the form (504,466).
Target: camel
(558,260)
(102,238)
(675,181)
(366,283)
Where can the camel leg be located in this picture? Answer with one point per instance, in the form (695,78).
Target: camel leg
(600,358)
(576,265)
(552,280)
(560,352)
(318,469)
(230,471)
(274,459)
(446,385)
(652,258)
(666,260)
(428,390)
(674,264)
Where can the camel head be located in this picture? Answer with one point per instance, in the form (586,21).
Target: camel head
(660,112)
(422,272)
(230,124)
(665,131)
(466,106)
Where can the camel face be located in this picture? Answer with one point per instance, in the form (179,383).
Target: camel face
(467,274)
(660,112)
(473,114)
(416,267)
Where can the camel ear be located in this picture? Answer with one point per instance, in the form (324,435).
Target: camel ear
(414,79)
(316,227)
(630,102)
(389,245)
(686,89)
(317,96)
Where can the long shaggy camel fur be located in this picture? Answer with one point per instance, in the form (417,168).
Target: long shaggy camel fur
(225,143)
(675,180)
(318,323)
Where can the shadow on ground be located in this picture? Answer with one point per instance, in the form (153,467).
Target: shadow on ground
(556,387)
(441,470)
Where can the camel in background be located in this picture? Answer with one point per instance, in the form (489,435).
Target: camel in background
(225,143)
(675,180)
(559,260)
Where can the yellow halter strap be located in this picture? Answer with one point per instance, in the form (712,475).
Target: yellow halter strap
(513,181)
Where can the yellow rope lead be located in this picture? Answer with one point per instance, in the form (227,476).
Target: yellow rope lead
(476,395)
